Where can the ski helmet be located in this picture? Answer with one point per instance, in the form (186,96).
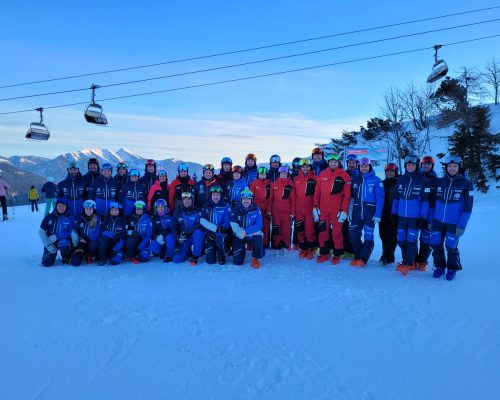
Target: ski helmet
(107,166)
(134,172)
(304,161)
(183,167)
(275,159)
(114,204)
(216,189)
(121,165)
(365,161)
(412,159)
(284,168)
(453,160)
(317,150)
(89,204)
(139,204)
(208,167)
(238,168)
(252,156)
(295,162)
(427,159)
(262,170)
(161,202)
(72,164)
(246,194)
(352,157)
(161,172)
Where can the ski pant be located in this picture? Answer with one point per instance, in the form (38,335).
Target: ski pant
(425,246)
(215,246)
(445,234)
(266,228)
(239,250)
(388,232)
(109,249)
(49,259)
(194,245)
(329,222)
(362,249)
(304,226)
(134,249)
(166,250)
(91,248)
(281,230)
(407,238)
(50,205)
(34,205)
(3,200)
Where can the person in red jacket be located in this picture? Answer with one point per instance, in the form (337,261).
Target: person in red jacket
(331,204)
(305,185)
(261,189)
(281,209)
(159,190)
(181,184)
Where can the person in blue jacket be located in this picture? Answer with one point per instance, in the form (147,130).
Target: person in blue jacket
(226,173)
(250,170)
(113,235)
(202,187)
(55,233)
(85,234)
(215,220)
(450,213)
(410,208)
(424,250)
(131,192)
(162,237)
(139,230)
(353,171)
(235,186)
(149,177)
(318,161)
(274,166)
(92,174)
(365,211)
(50,190)
(73,189)
(246,224)
(121,176)
(188,230)
(104,189)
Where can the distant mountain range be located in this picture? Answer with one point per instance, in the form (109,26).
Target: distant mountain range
(23,171)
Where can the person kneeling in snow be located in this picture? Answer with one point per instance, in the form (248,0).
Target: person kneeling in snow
(139,229)
(113,234)
(215,219)
(55,233)
(85,234)
(162,237)
(246,223)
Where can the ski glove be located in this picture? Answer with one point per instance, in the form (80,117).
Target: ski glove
(376,220)
(241,234)
(52,239)
(182,238)
(160,239)
(316,214)
(51,248)
(429,226)
(342,216)
(459,232)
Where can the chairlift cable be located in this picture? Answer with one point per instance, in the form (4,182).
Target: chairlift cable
(254,48)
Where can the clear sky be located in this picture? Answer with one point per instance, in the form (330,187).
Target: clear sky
(284,114)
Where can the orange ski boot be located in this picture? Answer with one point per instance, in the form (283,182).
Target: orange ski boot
(255,263)
(322,258)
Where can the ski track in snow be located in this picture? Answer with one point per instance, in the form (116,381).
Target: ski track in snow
(293,329)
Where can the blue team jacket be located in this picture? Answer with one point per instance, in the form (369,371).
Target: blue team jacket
(411,198)
(368,190)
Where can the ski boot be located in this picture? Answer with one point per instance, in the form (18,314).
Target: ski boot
(438,272)
(335,260)
(194,261)
(255,263)
(450,274)
(322,258)
(134,260)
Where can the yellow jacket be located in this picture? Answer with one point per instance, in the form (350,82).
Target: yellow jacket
(33,195)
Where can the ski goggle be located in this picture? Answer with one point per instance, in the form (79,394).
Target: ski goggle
(304,161)
(352,157)
(284,168)
(150,162)
(246,194)
(364,161)
(262,170)
(107,166)
(275,158)
(391,167)
(187,195)
(121,165)
(317,150)
(160,203)
(238,168)
(332,157)
(215,189)
(427,159)
(252,156)
(411,158)
(208,167)
(114,204)
(139,205)
(89,204)
(226,160)
(183,167)
(453,160)
(134,172)
(161,172)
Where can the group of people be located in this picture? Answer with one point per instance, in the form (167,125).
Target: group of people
(315,205)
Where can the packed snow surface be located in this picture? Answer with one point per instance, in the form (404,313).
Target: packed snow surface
(291,330)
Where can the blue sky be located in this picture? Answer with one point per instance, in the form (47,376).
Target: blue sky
(284,114)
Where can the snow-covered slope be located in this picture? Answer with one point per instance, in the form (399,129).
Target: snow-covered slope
(291,330)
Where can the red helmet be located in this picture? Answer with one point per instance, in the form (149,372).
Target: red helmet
(391,166)
(317,150)
(427,159)
(238,168)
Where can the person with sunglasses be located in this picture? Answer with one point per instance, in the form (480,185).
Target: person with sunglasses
(305,187)
(159,190)
(215,220)
(274,166)
(72,188)
(450,212)
(246,224)
(139,231)
(181,184)
(410,208)
(261,189)
(149,177)
(132,191)
(202,187)
(85,234)
(188,231)
(104,189)
(55,233)
(162,237)
(331,204)
(112,236)
(250,170)
(387,228)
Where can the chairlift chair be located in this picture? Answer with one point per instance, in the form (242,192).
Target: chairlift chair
(439,69)
(93,112)
(37,130)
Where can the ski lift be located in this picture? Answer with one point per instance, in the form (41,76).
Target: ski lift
(93,112)
(439,69)
(38,130)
